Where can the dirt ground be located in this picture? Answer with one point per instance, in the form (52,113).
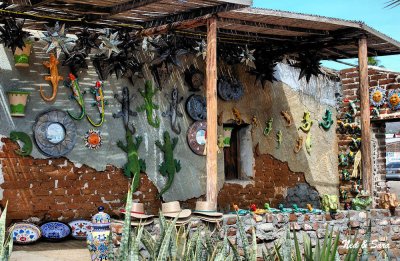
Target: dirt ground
(71,250)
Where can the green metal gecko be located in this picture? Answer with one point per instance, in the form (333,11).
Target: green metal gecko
(308,143)
(22,136)
(134,165)
(170,166)
(279,138)
(306,123)
(268,128)
(148,106)
(77,95)
(326,120)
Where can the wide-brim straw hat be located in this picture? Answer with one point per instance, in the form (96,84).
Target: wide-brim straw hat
(206,208)
(173,209)
(136,222)
(180,221)
(137,211)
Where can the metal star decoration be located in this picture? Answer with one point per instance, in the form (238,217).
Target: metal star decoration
(128,43)
(109,43)
(76,60)
(87,40)
(309,64)
(247,57)
(265,63)
(56,39)
(201,49)
(11,34)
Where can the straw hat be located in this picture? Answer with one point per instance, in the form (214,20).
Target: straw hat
(137,211)
(180,221)
(135,222)
(206,208)
(173,209)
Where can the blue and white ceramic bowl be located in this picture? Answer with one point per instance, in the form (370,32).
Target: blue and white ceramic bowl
(55,230)
(80,228)
(25,233)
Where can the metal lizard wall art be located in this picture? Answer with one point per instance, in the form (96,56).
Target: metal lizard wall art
(287,118)
(26,149)
(173,112)
(326,120)
(299,144)
(268,128)
(54,77)
(279,139)
(97,91)
(149,106)
(306,122)
(77,95)
(125,112)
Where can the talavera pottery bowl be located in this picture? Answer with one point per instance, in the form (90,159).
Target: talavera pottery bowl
(55,231)
(80,228)
(25,233)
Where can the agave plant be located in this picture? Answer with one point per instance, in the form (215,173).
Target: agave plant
(6,241)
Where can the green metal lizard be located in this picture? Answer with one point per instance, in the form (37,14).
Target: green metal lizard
(134,165)
(306,123)
(268,128)
(170,166)
(148,105)
(22,136)
(279,139)
(77,95)
(308,143)
(326,120)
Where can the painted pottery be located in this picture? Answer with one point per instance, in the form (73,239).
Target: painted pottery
(196,137)
(196,107)
(80,228)
(330,203)
(98,238)
(17,101)
(55,231)
(394,99)
(227,136)
(25,233)
(55,133)
(377,97)
(21,56)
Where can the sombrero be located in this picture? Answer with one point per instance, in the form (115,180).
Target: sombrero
(137,211)
(134,222)
(173,209)
(206,211)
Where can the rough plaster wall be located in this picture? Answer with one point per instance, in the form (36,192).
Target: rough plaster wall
(1,170)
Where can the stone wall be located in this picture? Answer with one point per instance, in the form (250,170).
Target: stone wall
(350,84)
(385,231)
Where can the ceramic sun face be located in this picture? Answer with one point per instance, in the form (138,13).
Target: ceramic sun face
(93,139)
(394,99)
(377,97)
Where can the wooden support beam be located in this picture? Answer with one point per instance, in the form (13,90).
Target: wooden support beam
(211,93)
(366,165)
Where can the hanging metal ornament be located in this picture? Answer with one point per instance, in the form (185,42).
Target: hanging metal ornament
(309,64)
(109,43)
(57,39)
(76,60)
(230,89)
(196,107)
(201,49)
(11,34)
(265,66)
(377,96)
(247,57)
(129,43)
(87,40)
(194,78)
(394,99)
(93,139)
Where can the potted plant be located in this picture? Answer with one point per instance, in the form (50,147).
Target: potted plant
(17,99)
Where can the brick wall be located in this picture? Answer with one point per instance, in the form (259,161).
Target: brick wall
(350,85)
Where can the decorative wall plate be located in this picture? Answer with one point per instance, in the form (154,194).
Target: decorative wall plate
(93,139)
(80,228)
(55,133)
(230,89)
(25,233)
(394,99)
(55,231)
(378,97)
(196,137)
(196,107)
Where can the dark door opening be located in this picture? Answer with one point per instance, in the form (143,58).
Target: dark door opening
(231,154)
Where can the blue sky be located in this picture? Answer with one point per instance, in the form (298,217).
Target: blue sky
(372,12)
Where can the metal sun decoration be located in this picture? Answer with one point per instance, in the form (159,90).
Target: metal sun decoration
(377,97)
(93,139)
(309,64)
(56,39)
(394,99)
(12,35)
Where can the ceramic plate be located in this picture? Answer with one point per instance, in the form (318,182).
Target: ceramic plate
(196,137)
(80,228)
(25,233)
(55,231)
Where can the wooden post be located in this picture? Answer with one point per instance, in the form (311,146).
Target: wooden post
(365,116)
(211,93)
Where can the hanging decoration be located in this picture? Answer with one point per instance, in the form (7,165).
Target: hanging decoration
(394,99)
(93,139)
(87,40)
(306,122)
(129,43)
(264,66)
(229,53)
(54,77)
(170,166)
(173,111)
(76,60)
(196,107)
(125,112)
(196,137)
(287,117)
(327,120)
(12,35)
(230,89)
(201,49)
(279,139)
(268,127)
(109,44)
(237,116)
(97,91)
(27,147)
(247,57)
(378,96)
(309,64)
(355,144)
(77,94)
(57,39)
(298,145)
(149,106)
(194,78)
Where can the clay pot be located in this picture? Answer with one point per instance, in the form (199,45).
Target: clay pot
(21,56)
(17,101)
